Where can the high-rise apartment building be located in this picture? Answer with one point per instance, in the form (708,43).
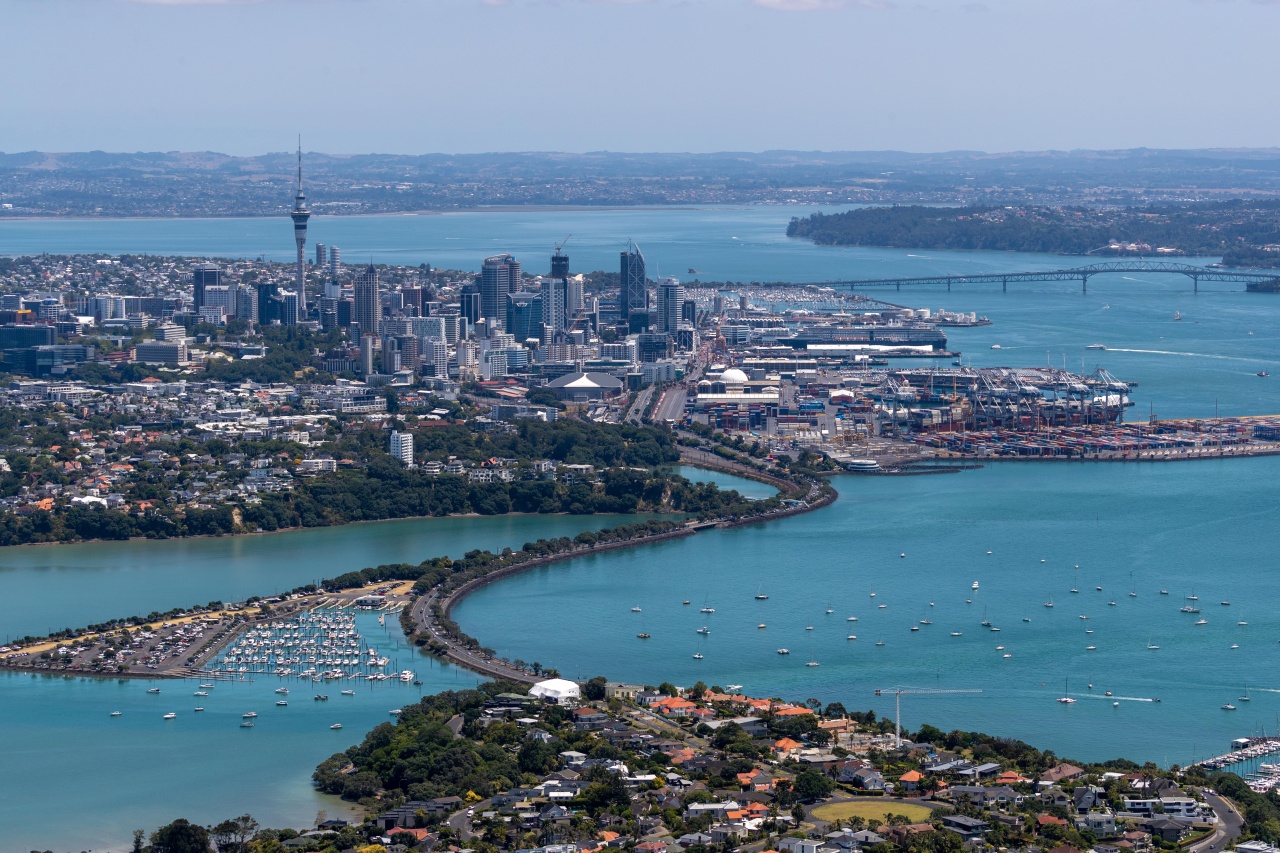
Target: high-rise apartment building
(633,294)
(390,355)
(221,296)
(670,305)
(202,277)
(402,447)
(320,254)
(499,276)
(335,259)
(368,302)
(555,299)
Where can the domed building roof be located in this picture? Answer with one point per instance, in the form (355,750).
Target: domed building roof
(733,376)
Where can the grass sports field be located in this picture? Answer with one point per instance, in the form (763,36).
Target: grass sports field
(875,811)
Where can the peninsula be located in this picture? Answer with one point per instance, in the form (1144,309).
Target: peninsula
(1243,232)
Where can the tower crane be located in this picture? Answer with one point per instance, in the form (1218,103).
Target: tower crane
(898,693)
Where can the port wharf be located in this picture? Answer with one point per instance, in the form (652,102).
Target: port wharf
(1175,440)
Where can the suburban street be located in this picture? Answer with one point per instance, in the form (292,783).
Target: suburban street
(1230,825)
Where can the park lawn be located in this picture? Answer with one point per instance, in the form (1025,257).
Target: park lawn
(871,811)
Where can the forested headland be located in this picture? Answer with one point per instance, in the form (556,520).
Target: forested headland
(627,478)
(1245,233)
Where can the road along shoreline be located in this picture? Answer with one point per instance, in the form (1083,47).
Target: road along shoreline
(429,619)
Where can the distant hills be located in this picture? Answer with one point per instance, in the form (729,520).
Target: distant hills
(35,183)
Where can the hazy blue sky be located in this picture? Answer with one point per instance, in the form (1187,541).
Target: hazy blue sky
(413,76)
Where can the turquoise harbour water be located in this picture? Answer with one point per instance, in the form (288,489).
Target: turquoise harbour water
(56,586)
(1199,528)
(62,748)
(752,489)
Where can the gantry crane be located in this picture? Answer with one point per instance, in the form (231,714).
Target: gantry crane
(898,693)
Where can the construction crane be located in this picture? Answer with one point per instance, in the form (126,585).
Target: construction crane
(898,693)
(560,245)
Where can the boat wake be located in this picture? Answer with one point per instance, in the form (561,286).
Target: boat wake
(1113,698)
(1174,352)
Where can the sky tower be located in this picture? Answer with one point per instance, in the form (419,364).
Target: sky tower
(300,216)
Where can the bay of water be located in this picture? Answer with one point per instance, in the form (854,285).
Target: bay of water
(56,586)
(753,489)
(63,751)
(1201,527)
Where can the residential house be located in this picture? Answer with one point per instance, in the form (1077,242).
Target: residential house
(588,719)
(1184,807)
(1166,829)
(966,827)
(902,834)
(799,845)
(1061,773)
(1056,797)
(785,748)
(1101,822)
(910,780)
(1087,797)
(620,690)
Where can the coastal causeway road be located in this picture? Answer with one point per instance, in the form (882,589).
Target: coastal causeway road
(422,610)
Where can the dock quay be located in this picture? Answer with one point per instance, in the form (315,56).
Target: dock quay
(1247,750)
(1154,441)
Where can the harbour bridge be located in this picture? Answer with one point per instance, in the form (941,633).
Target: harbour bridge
(1080,274)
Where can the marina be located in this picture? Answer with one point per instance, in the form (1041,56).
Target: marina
(316,645)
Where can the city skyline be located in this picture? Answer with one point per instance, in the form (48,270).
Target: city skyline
(719,75)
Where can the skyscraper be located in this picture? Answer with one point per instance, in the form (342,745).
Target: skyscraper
(632,294)
(469,303)
(670,304)
(300,216)
(320,255)
(555,299)
(390,354)
(559,264)
(524,316)
(368,305)
(204,275)
(499,276)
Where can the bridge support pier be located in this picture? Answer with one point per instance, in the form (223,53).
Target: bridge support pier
(948,284)
(1004,285)
(1084,283)
(1195,284)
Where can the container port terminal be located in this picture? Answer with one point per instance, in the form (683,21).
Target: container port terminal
(824,372)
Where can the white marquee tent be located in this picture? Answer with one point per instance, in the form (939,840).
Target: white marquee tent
(558,690)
